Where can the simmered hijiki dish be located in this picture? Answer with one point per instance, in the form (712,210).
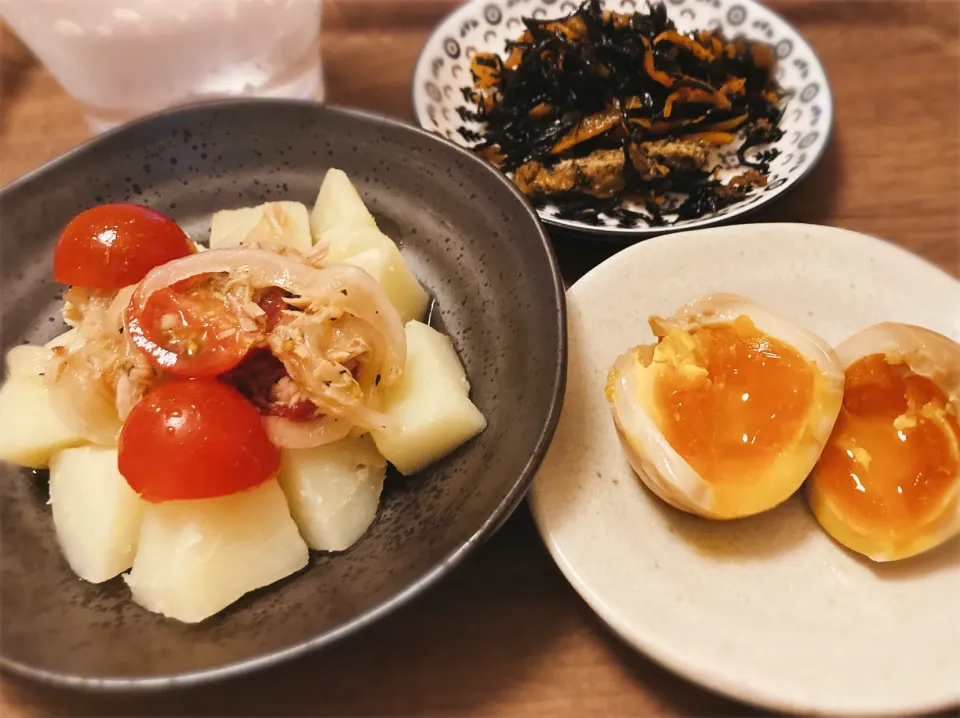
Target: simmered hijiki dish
(621,114)
(212,414)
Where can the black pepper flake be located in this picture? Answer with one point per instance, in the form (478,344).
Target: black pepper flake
(343,292)
(376,381)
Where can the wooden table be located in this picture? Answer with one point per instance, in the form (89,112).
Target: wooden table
(505,634)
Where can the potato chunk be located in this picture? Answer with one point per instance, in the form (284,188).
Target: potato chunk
(373,251)
(197,557)
(430,409)
(27,360)
(333,490)
(338,205)
(30,430)
(281,224)
(96,513)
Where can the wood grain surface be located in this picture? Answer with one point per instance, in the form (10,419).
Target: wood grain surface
(505,635)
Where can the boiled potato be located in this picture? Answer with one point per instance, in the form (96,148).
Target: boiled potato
(429,407)
(27,360)
(346,241)
(402,289)
(372,250)
(31,360)
(338,205)
(30,430)
(96,513)
(333,490)
(196,557)
(237,227)
(342,223)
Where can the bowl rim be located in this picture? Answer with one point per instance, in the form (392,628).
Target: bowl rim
(625,236)
(503,510)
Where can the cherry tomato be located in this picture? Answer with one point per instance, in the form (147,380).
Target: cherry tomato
(115,245)
(195,439)
(271,302)
(187,331)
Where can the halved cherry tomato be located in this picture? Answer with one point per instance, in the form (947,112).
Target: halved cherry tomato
(187,331)
(195,439)
(272,303)
(114,245)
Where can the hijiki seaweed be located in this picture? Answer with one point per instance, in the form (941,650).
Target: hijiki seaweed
(599,110)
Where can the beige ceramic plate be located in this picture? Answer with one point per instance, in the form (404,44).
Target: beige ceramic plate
(768,609)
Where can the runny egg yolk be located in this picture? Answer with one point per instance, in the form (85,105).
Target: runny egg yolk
(732,398)
(893,458)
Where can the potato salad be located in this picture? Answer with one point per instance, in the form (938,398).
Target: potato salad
(214,413)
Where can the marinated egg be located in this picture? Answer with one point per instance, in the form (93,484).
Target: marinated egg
(888,482)
(727,413)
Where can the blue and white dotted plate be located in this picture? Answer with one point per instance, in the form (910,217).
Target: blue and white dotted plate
(443,68)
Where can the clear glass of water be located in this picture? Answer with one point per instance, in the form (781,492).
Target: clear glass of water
(125,58)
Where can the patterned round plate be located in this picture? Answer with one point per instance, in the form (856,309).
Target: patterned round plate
(443,69)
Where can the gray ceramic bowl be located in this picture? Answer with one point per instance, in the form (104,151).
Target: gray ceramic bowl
(472,241)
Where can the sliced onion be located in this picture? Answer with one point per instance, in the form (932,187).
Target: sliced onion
(83,381)
(114,318)
(81,397)
(348,288)
(289,434)
(315,352)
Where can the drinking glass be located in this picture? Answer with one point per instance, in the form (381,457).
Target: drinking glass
(124,58)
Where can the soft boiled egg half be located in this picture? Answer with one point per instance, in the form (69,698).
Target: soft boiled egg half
(726,415)
(888,482)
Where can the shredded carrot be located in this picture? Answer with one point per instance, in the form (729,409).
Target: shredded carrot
(541,110)
(619,20)
(727,125)
(693,94)
(591,126)
(492,155)
(731,124)
(485,67)
(733,86)
(711,138)
(699,51)
(656,75)
(660,127)
(573,28)
(516,53)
